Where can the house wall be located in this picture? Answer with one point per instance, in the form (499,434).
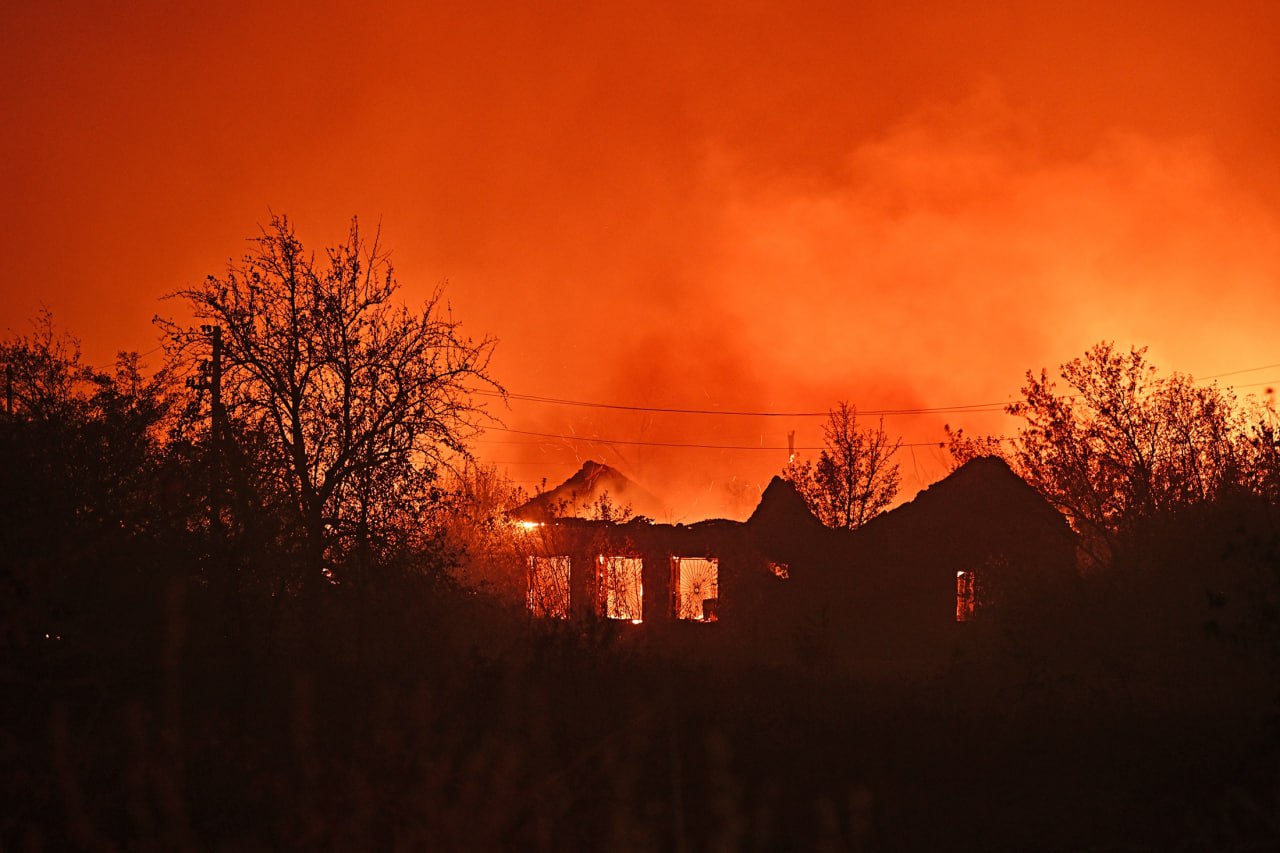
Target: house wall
(887,591)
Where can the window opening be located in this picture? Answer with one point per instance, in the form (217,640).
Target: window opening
(548,594)
(965,596)
(623,587)
(696,588)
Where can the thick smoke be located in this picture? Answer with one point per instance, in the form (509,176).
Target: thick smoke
(705,205)
(947,258)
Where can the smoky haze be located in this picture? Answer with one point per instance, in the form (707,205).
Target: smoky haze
(696,206)
(947,258)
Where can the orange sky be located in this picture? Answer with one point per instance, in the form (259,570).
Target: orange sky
(733,206)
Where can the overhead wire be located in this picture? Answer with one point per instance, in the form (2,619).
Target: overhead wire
(970,408)
(963,408)
(1245,370)
(140,355)
(640,443)
(589,404)
(959,408)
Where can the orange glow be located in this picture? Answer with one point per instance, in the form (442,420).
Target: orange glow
(766,206)
(696,585)
(622,578)
(529,526)
(548,589)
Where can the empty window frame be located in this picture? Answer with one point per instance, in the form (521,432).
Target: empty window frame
(966,596)
(623,583)
(695,587)
(548,595)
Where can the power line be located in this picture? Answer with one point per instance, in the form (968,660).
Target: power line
(1245,370)
(960,408)
(636,443)
(140,355)
(770,448)
(588,404)
(540,462)
(702,446)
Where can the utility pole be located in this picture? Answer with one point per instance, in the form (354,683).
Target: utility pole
(215,382)
(226,572)
(216,417)
(211,380)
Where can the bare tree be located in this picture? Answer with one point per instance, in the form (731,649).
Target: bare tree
(1124,443)
(362,398)
(43,373)
(855,477)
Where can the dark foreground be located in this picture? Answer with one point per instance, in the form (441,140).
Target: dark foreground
(473,730)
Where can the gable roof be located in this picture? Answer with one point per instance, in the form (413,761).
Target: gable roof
(981,503)
(578,494)
(981,487)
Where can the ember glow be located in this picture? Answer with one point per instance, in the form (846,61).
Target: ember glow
(696,584)
(622,581)
(709,206)
(548,589)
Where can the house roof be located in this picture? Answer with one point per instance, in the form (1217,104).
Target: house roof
(582,492)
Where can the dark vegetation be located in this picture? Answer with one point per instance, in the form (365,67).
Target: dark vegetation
(285,622)
(854,478)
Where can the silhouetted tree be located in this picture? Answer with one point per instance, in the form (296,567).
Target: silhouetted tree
(963,447)
(1123,443)
(45,379)
(1261,449)
(360,399)
(82,515)
(855,478)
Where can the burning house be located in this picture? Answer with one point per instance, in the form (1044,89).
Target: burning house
(979,539)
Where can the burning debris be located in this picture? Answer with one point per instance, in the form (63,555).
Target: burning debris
(893,586)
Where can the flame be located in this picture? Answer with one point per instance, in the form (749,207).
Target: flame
(548,589)
(623,586)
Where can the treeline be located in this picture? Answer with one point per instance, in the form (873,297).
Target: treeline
(1173,487)
(305,434)
(1121,445)
(282,512)
(257,597)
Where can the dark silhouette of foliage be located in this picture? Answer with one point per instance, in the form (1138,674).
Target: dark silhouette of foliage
(146,705)
(82,452)
(1123,443)
(1261,451)
(963,447)
(354,400)
(855,478)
